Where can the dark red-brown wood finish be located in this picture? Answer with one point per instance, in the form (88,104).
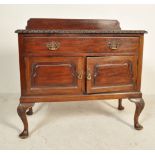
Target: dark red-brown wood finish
(79,59)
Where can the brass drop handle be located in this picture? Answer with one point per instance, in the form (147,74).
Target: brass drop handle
(52,46)
(88,75)
(113,45)
(80,75)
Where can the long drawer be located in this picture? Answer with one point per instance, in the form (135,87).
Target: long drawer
(48,45)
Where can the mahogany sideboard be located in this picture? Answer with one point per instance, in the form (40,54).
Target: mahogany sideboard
(79,59)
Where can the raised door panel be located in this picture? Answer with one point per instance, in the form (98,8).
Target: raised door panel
(54,75)
(111,74)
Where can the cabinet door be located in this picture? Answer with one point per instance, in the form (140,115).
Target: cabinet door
(111,74)
(54,75)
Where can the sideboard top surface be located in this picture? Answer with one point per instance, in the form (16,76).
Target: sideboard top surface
(104,26)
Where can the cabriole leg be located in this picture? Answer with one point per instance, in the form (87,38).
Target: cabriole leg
(139,107)
(120,107)
(21,110)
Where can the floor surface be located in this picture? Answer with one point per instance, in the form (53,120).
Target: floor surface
(78,125)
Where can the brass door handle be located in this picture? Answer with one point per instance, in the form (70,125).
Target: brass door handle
(80,75)
(113,45)
(88,75)
(52,46)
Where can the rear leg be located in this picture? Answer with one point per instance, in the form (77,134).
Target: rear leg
(120,107)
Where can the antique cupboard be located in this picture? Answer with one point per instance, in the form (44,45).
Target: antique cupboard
(79,59)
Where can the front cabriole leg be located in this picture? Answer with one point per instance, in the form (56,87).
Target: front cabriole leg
(21,110)
(139,107)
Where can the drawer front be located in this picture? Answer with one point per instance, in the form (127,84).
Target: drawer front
(54,75)
(49,45)
(111,74)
